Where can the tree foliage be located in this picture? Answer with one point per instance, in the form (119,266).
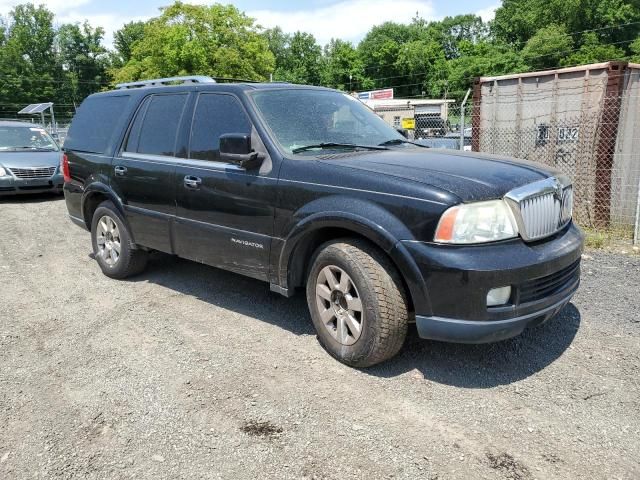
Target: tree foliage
(43,61)
(298,57)
(216,40)
(124,41)
(547,47)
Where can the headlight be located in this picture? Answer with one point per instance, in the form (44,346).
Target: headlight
(477,223)
(3,172)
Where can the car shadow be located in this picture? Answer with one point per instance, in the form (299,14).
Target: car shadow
(466,366)
(30,198)
(485,365)
(230,291)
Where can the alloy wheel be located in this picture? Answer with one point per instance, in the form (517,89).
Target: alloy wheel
(339,305)
(108,240)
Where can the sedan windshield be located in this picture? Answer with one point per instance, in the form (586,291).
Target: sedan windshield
(14,138)
(314,120)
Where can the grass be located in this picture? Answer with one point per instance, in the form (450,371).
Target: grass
(596,239)
(615,240)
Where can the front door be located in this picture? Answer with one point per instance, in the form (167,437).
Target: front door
(144,172)
(224,213)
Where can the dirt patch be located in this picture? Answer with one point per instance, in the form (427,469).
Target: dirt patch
(261,429)
(509,466)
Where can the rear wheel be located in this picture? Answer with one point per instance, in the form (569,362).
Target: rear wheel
(357,303)
(112,246)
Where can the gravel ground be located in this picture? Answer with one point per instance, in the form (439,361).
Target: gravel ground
(191,372)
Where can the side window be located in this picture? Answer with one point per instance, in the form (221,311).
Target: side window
(156,125)
(215,115)
(96,122)
(134,133)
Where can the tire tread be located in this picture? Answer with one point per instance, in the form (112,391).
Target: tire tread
(392,321)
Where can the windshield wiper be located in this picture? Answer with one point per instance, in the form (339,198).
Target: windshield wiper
(338,145)
(398,141)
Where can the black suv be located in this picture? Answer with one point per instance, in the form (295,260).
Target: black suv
(306,187)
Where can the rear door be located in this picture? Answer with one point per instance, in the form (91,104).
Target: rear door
(224,213)
(144,171)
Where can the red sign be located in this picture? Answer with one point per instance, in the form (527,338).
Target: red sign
(379,94)
(385,94)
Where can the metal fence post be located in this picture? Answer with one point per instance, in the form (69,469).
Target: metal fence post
(464,102)
(636,230)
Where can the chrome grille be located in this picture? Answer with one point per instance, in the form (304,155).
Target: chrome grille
(542,208)
(33,172)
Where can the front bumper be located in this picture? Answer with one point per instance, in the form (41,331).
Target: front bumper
(543,277)
(10,185)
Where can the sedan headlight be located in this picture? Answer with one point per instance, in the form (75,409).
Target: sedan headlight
(3,172)
(479,222)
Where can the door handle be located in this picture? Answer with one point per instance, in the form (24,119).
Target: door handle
(120,171)
(192,182)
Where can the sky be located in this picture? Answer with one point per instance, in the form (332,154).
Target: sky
(325,19)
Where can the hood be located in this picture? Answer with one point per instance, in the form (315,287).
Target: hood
(29,159)
(470,176)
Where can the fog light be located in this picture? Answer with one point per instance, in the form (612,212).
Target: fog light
(498,296)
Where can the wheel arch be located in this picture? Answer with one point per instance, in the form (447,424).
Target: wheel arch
(94,195)
(297,254)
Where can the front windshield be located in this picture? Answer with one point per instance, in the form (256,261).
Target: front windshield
(301,118)
(14,138)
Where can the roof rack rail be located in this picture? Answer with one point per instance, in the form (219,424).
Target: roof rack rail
(234,80)
(159,82)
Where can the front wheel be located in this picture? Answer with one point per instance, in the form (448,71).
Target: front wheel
(112,245)
(357,303)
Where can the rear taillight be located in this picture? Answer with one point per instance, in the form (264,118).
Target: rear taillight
(64,167)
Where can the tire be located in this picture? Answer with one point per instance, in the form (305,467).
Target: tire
(377,331)
(110,233)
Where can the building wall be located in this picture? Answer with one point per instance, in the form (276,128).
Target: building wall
(388,115)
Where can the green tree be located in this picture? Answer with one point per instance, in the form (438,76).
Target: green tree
(452,31)
(593,51)
(29,70)
(635,50)
(484,58)
(298,58)
(547,47)
(424,65)
(216,40)
(83,58)
(517,21)
(379,51)
(278,43)
(124,40)
(343,68)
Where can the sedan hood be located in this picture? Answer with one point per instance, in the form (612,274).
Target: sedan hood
(28,159)
(469,175)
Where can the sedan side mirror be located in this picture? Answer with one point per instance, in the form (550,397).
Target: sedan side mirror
(236,148)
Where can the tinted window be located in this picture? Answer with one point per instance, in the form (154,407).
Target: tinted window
(134,134)
(95,123)
(160,125)
(215,115)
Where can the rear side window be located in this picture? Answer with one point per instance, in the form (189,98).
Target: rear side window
(95,123)
(155,128)
(215,115)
